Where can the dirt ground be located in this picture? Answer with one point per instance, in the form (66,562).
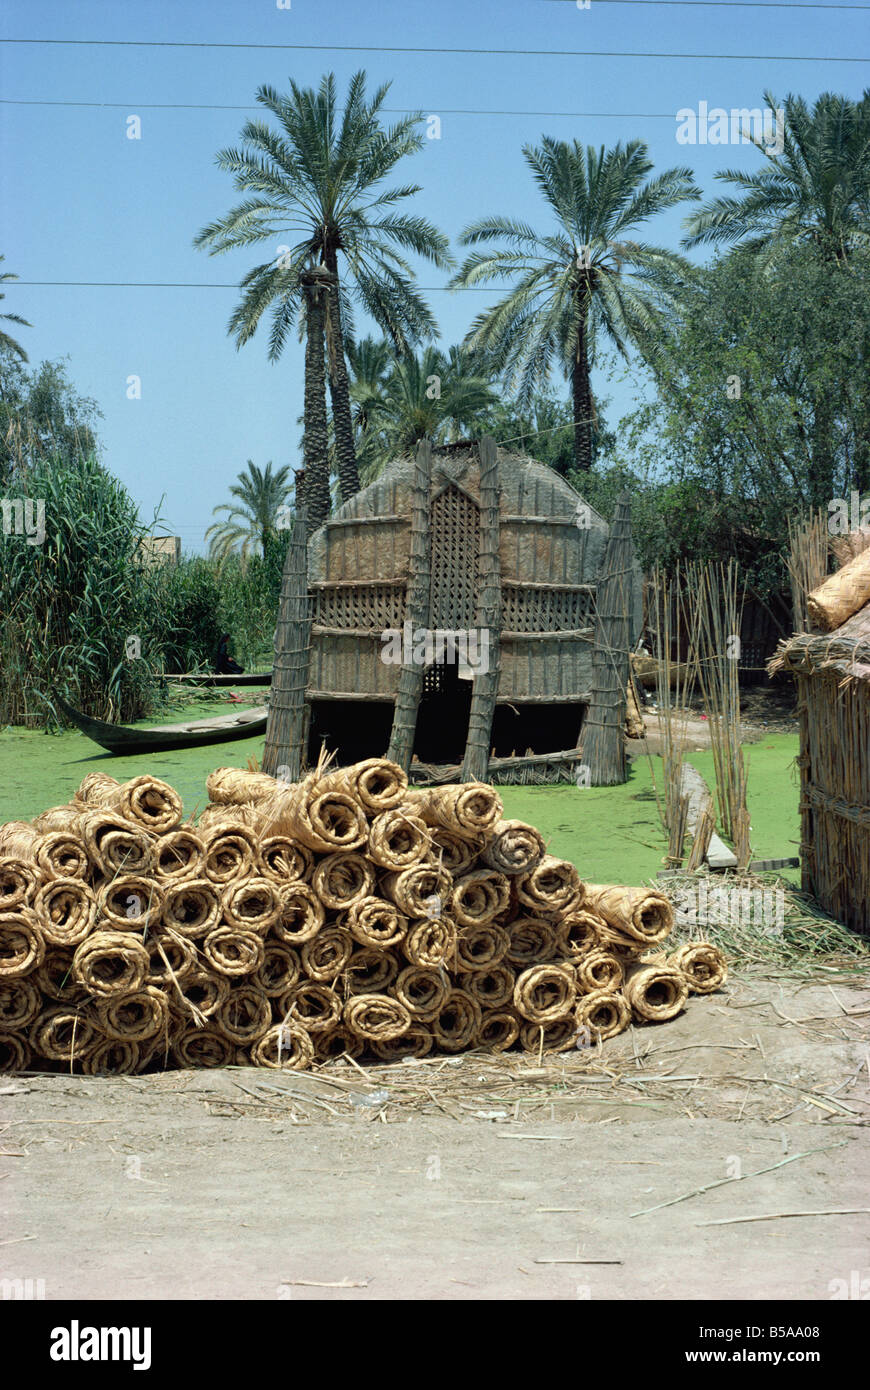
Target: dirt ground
(466,1178)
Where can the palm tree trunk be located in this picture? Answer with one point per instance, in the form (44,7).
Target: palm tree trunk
(287,725)
(582,402)
(417,613)
(475,765)
(339,388)
(315,438)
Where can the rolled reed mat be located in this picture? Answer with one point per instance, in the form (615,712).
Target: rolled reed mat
(578,933)
(531,941)
(15,1054)
(64,817)
(655,992)
(55,979)
(150,804)
(842,594)
(112,1057)
(253,905)
(60,854)
(280,970)
(481,948)
(455,853)
(600,1015)
(630,914)
(469,809)
(18,838)
(314,1007)
(66,910)
(544,993)
(245,1016)
(130,902)
(111,962)
(202,993)
(170,954)
(22,947)
(423,992)
(93,787)
(234,951)
(413,890)
(284,860)
(328,953)
(376,783)
(417,1042)
(557,1036)
(302,914)
(552,886)
(430,942)
(230,853)
(135,1017)
(62,1035)
(342,879)
(702,964)
(493,988)
(376,1017)
(20,1002)
(499,1030)
(232,785)
(370,969)
(599,970)
(283,1046)
(18,883)
(458,1023)
(516,848)
(203,1047)
(398,839)
(375,922)
(248,813)
(116,846)
(478,897)
(178,855)
(338,1042)
(191,908)
(324,821)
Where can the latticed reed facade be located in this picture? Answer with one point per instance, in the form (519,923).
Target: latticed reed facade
(551,549)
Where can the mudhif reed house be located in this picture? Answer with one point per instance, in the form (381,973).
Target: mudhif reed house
(831,665)
(467,612)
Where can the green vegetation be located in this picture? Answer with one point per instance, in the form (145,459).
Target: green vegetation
(253,519)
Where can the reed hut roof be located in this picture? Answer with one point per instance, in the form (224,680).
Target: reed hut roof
(844,652)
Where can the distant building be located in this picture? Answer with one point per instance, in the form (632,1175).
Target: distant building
(162,550)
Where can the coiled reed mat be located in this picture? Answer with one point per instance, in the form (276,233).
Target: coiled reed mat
(345,915)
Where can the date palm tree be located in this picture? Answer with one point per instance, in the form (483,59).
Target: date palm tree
(582,282)
(816,190)
(317,180)
(6,341)
(436,396)
(252,518)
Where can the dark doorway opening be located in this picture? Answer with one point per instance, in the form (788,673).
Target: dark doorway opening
(442,720)
(355,729)
(541,728)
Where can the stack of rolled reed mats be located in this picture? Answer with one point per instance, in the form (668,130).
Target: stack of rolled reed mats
(345,914)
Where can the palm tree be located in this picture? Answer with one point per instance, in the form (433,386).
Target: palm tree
(434,396)
(572,288)
(5,340)
(253,518)
(816,190)
(317,180)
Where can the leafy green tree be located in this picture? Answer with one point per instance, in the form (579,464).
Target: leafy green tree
(584,283)
(41,415)
(815,192)
(318,180)
(253,518)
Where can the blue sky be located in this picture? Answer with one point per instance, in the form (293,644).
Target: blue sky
(81,201)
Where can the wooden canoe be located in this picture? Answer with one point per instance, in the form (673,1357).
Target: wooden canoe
(204,678)
(120,738)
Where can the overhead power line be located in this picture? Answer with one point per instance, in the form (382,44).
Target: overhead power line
(207,285)
(473,52)
(388,110)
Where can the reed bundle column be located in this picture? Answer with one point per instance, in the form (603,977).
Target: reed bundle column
(475,766)
(602,743)
(287,725)
(416,613)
